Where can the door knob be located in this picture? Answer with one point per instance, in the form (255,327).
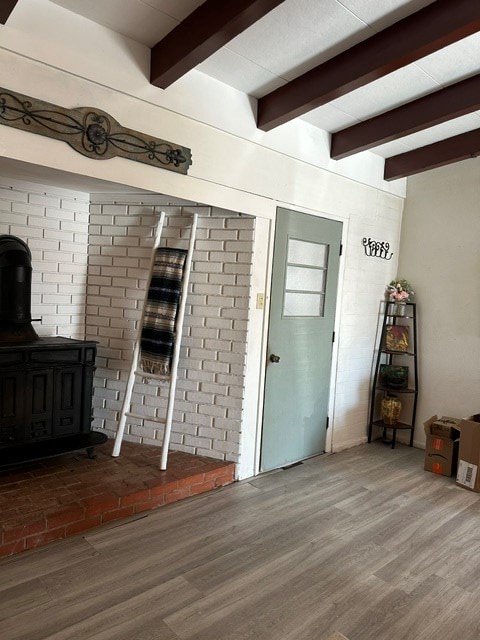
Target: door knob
(274,358)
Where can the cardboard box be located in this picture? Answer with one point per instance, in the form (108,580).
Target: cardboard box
(468,475)
(446,427)
(441,451)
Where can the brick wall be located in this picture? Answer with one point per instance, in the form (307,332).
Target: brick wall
(208,407)
(54,223)
(65,231)
(207,418)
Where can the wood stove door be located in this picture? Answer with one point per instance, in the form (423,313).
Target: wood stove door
(67,418)
(12,407)
(39,410)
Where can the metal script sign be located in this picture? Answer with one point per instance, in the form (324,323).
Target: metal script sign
(91,132)
(377,249)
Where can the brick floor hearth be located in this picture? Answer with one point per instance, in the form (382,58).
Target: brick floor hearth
(60,497)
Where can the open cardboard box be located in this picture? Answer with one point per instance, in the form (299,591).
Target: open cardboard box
(441,449)
(468,475)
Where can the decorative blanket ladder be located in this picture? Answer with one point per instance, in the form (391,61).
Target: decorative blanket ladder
(136,370)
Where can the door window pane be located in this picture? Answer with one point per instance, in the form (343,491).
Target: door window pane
(305,278)
(303,304)
(308,253)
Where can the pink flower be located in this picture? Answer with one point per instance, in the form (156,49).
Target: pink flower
(399,291)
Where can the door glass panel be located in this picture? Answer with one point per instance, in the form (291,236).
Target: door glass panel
(308,253)
(305,279)
(303,304)
(304,291)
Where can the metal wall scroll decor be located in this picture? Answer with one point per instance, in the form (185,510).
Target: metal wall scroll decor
(376,249)
(91,132)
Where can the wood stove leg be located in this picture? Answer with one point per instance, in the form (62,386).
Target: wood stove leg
(91,453)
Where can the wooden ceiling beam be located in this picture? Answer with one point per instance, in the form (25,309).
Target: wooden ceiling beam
(204,31)
(443,105)
(435,26)
(461,147)
(6,8)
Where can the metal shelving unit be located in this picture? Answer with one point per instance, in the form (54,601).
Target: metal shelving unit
(392,357)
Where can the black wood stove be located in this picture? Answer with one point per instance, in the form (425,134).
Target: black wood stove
(46,384)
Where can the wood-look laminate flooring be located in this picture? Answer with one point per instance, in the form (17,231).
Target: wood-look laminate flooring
(363,542)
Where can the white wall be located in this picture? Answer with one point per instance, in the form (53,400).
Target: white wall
(54,224)
(362,285)
(120,232)
(246,173)
(102,300)
(440,256)
(208,407)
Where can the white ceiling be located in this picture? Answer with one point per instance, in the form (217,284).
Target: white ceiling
(296,36)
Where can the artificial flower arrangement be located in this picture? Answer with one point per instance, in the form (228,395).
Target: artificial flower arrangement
(399,291)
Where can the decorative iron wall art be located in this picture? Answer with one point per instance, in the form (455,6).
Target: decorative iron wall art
(376,249)
(91,132)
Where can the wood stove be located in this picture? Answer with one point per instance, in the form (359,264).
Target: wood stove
(15,290)
(46,384)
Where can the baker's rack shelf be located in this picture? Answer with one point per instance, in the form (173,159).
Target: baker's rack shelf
(403,319)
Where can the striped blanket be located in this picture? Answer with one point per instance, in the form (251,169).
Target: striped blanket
(158,330)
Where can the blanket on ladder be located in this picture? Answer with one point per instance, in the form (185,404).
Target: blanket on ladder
(163,297)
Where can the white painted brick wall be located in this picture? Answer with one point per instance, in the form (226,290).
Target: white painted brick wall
(54,223)
(209,397)
(365,279)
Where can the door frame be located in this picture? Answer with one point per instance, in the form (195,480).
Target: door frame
(249,454)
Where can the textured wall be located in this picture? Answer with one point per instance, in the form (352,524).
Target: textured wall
(209,416)
(54,223)
(440,256)
(209,397)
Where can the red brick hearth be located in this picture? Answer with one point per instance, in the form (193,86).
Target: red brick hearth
(60,497)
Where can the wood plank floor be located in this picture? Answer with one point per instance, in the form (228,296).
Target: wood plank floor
(363,542)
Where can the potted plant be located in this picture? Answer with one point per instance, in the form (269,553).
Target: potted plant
(399,292)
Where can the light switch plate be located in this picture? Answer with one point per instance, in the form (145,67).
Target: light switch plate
(260,300)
